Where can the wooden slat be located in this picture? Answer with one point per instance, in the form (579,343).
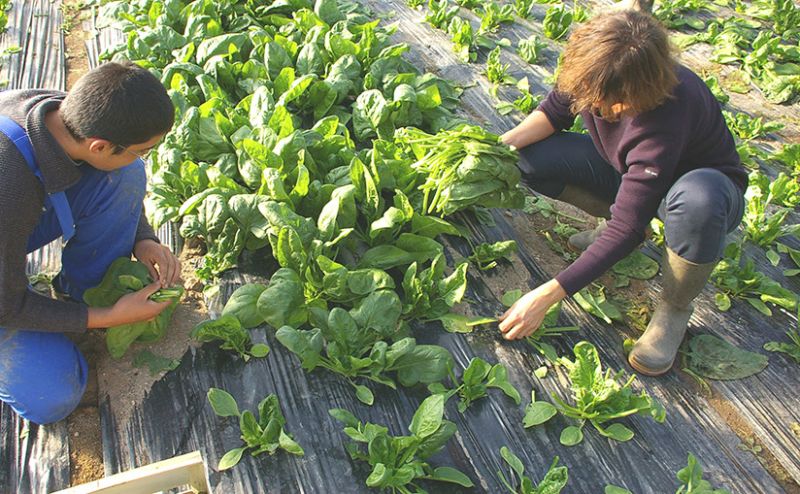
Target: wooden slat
(185,470)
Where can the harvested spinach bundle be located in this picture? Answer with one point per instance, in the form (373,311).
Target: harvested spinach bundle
(125,276)
(465,166)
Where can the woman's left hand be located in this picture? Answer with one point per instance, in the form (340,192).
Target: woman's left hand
(162,264)
(526,315)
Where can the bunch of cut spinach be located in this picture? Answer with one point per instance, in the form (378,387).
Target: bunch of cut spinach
(399,462)
(463,167)
(125,276)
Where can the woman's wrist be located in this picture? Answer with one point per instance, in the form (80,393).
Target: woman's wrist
(554,291)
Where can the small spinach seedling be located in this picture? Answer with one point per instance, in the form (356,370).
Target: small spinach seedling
(264,434)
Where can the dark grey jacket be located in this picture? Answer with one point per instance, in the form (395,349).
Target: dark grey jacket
(21,203)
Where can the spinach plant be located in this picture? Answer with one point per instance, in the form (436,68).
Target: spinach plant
(525,103)
(599,398)
(262,434)
(598,305)
(463,38)
(233,336)
(789,156)
(530,49)
(486,255)
(553,482)
(440,13)
(353,344)
(738,278)
(493,14)
(475,381)
(398,462)
(523,8)
(429,294)
(559,18)
(496,71)
(792,349)
(747,128)
(692,480)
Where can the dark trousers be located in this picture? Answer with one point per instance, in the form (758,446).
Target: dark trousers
(699,210)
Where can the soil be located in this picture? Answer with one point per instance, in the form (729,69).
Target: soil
(85,439)
(75,40)
(763,455)
(123,384)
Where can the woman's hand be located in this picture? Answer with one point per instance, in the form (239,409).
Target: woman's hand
(162,264)
(533,129)
(130,308)
(527,313)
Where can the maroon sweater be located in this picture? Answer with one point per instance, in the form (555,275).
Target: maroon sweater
(651,150)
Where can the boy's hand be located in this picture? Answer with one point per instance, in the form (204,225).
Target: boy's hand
(133,307)
(163,265)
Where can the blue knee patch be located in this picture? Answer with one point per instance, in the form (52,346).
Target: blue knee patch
(44,374)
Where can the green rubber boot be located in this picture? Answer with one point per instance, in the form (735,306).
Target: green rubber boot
(654,353)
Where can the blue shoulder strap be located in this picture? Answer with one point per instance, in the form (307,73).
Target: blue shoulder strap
(20,139)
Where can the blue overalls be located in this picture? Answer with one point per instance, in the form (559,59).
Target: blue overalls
(43,374)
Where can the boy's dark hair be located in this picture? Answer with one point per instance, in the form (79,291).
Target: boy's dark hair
(119,102)
(621,57)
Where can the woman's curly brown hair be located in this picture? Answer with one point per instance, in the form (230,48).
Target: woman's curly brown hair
(621,57)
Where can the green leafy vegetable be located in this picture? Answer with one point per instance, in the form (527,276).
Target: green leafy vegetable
(485,255)
(465,166)
(475,380)
(598,305)
(397,461)
(530,49)
(792,349)
(715,358)
(553,482)
(599,398)
(549,329)
(232,334)
(125,276)
(262,432)
(692,481)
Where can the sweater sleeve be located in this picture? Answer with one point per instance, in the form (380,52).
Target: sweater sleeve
(144,231)
(556,108)
(21,308)
(651,164)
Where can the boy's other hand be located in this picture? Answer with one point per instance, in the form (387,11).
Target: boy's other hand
(133,307)
(163,265)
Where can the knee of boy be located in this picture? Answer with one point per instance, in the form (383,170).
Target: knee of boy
(53,398)
(55,408)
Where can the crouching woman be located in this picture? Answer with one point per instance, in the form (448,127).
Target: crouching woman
(658,145)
